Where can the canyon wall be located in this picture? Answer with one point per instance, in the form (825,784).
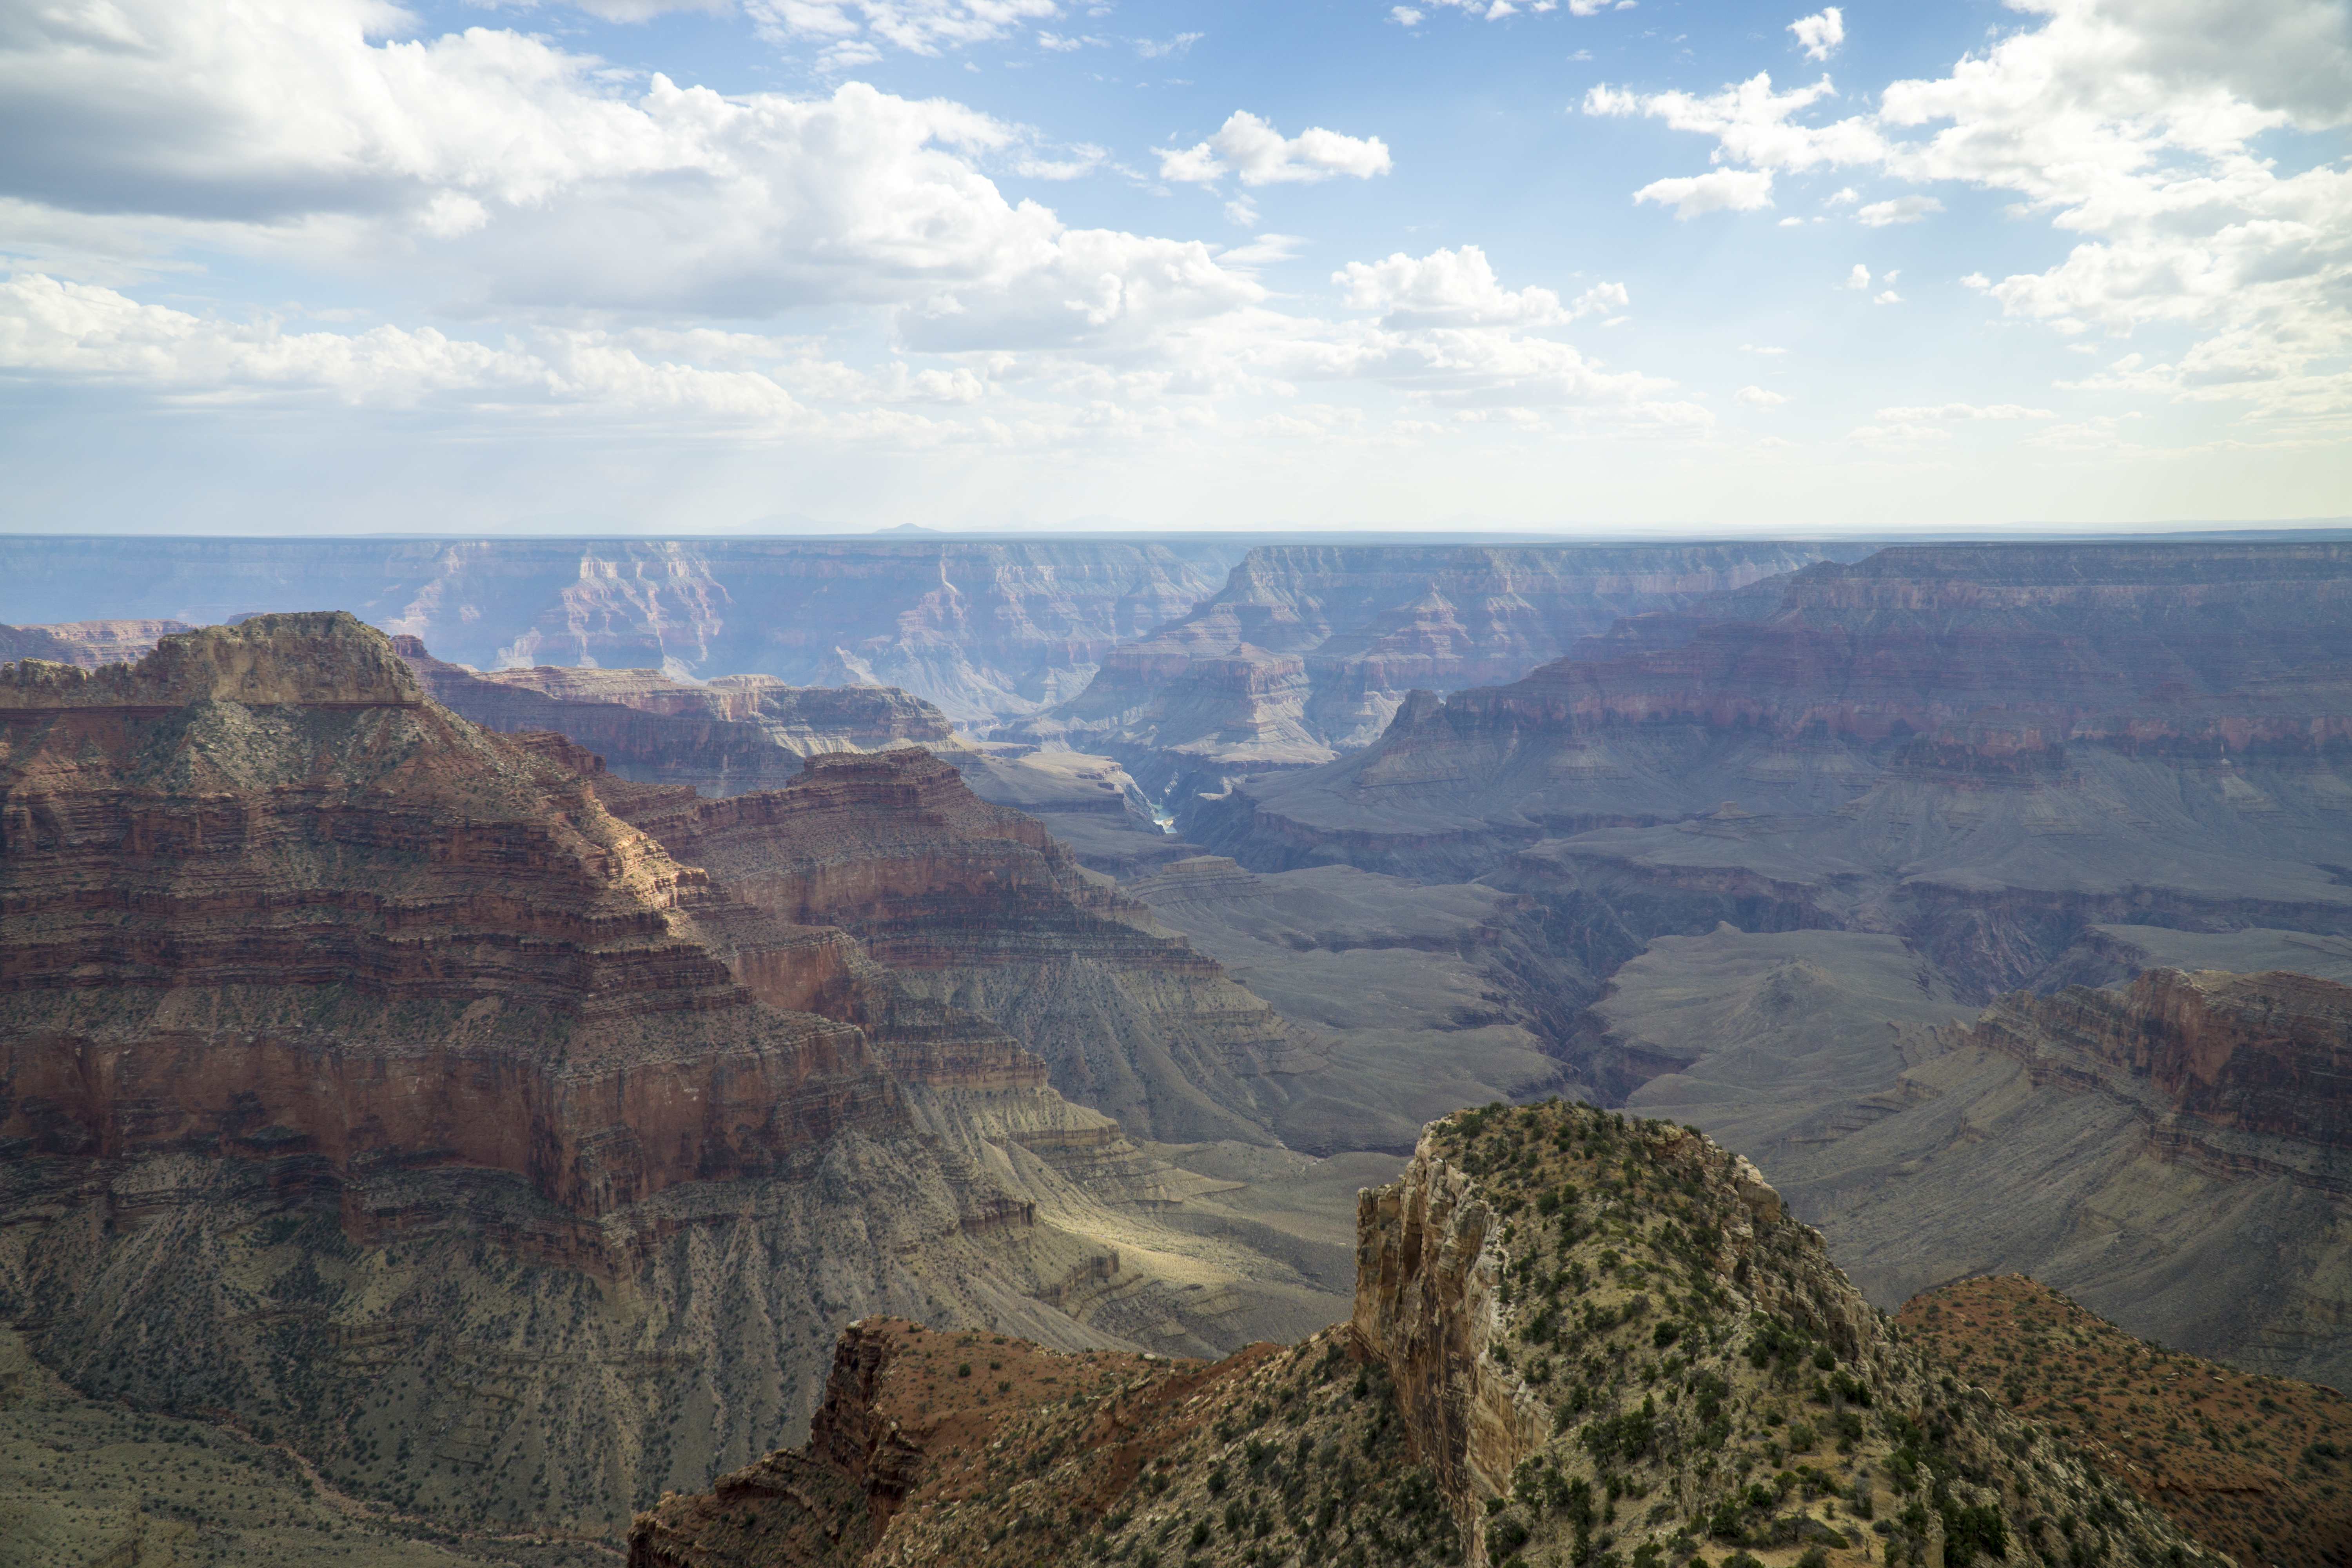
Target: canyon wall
(1308,649)
(366,1081)
(984,629)
(2172,1153)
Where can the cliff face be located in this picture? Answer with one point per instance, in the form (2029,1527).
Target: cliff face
(1572,1336)
(262,893)
(1306,650)
(85,643)
(985,630)
(2171,1152)
(365,1081)
(975,904)
(2269,1055)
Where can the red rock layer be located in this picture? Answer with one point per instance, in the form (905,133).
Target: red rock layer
(893,846)
(2270,1053)
(262,897)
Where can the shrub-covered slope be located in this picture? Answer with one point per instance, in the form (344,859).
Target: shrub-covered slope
(2258,1466)
(1577,1340)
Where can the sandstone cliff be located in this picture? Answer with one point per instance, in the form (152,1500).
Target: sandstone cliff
(365,1081)
(1575,1339)
(85,643)
(724,738)
(975,904)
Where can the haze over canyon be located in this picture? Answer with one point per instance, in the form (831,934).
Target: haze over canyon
(787,1051)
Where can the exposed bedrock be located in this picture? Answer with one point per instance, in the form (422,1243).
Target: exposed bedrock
(976,905)
(2045,672)
(365,1081)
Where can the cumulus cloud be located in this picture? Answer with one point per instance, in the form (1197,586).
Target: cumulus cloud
(531,185)
(1254,149)
(2135,128)
(1405,16)
(1458,288)
(1821,34)
(1859,278)
(1756,397)
(1722,190)
(1902,209)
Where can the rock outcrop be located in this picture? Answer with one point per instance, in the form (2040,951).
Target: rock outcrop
(975,904)
(1573,1336)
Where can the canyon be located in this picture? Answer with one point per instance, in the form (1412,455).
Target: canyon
(367,1082)
(419,1029)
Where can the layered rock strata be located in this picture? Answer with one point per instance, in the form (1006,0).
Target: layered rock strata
(739,733)
(975,904)
(364,1080)
(1572,1336)
(1306,651)
(87,643)
(2172,1153)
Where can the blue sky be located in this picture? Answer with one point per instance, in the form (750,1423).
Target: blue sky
(330,264)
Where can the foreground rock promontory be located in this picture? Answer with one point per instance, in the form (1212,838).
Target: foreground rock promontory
(1576,1339)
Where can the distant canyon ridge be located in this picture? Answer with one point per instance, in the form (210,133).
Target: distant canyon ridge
(1172,644)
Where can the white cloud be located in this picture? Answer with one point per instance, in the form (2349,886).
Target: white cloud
(1721,190)
(1176,47)
(1059,44)
(1902,209)
(1253,149)
(1821,34)
(1859,278)
(1889,298)
(1756,397)
(1965,411)
(1084,159)
(850,31)
(1761,349)
(2135,128)
(1458,288)
(1405,16)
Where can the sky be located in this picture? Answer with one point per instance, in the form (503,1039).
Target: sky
(738,266)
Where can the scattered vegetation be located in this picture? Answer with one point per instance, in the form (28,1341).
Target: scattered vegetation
(2258,1466)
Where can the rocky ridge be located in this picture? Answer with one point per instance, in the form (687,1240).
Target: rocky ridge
(87,643)
(724,737)
(983,629)
(1575,1338)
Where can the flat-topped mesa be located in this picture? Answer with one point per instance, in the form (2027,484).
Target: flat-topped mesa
(2268,1054)
(264,897)
(323,659)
